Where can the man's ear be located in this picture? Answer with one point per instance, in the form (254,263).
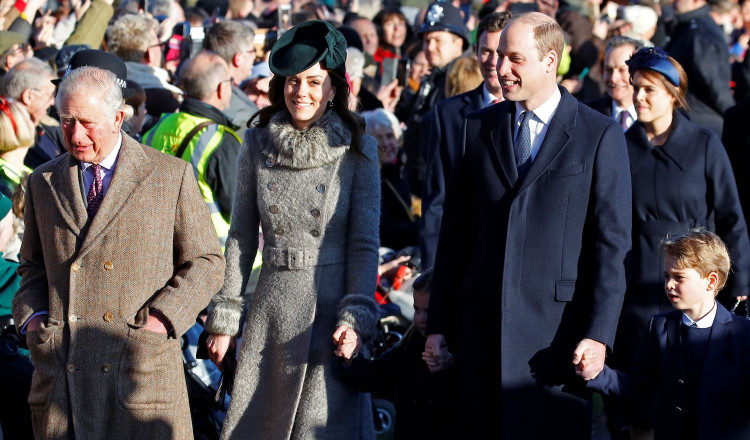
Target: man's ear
(551,61)
(236,59)
(26,97)
(119,119)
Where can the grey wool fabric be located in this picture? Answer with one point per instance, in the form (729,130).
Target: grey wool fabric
(151,245)
(318,202)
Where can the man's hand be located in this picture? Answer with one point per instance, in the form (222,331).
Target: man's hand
(437,346)
(157,323)
(217,347)
(347,342)
(588,358)
(35,322)
(428,356)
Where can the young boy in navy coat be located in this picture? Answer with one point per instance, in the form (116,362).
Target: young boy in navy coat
(695,361)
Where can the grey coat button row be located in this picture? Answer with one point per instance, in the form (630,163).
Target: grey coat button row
(281,231)
(273,186)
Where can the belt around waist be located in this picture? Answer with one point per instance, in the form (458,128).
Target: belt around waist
(300,258)
(664,227)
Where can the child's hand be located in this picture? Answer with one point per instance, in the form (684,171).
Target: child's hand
(583,360)
(432,363)
(347,342)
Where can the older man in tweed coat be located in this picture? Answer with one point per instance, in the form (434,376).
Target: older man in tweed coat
(118,258)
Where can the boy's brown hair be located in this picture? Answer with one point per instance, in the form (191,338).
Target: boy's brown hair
(701,250)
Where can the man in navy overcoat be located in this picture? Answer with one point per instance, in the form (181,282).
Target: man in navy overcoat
(530,266)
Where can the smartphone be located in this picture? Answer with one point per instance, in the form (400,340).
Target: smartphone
(402,75)
(390,71)
(285,18)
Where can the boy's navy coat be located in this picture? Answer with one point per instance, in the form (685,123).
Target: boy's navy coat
(724,394)
(527,268)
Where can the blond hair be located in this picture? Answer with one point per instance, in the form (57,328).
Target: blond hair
(702,251)
(22,136)
(547,33)
(463,76)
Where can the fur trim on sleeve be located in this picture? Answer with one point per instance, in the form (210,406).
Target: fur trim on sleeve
(225,315)
(359,312)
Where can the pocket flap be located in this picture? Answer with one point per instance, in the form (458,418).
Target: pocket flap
(564,290)
(569,171)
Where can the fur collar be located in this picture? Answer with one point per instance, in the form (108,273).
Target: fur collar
(320,144)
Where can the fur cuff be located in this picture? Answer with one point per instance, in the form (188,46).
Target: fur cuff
(359,312)
(224,315)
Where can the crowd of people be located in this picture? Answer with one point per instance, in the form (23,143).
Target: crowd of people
(272,171)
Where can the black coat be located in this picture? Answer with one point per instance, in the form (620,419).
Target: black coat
(684,183)
(698,44)
(736,139)
(526,269)
(603,105)
(399,227)
(723,399)
(444,138)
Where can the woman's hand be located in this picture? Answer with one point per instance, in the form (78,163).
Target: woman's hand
(217,347)
(347,342)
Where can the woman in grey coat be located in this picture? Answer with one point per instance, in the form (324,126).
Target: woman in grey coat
(311,179)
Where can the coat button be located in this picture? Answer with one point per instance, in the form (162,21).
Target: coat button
(75,267)
(315,233)
(72,318)
(106,368)
(321,188)
(108,265)
(327,167)
(272,186)
(678,409)
(315,212)
(109,316)
(270,163)
(680,381)
(273,209)
(71,368)
(280,230)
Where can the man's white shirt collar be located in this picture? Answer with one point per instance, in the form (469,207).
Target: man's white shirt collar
(616,109)
(705,322)
(487,97)
(110,160)
(545,111)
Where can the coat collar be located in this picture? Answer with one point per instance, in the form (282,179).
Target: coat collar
(678,148)
(562,124)
(322,143)
(133,167)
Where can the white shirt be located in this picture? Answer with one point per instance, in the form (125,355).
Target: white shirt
(106,168)
(487,97)
(705,322)
(539,124)
(616,109)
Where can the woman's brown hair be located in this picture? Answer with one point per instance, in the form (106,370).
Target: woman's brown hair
(678,93)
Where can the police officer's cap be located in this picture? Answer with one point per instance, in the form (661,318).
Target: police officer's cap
(443,16)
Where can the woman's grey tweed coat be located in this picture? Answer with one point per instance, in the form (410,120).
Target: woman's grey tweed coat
(318,203)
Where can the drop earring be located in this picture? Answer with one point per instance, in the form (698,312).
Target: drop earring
(330,104)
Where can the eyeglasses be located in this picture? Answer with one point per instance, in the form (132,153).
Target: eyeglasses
(230,80)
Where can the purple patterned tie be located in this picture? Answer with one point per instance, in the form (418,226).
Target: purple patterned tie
(624,120)
(94,199)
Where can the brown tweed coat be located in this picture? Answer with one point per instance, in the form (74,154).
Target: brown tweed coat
(151,245)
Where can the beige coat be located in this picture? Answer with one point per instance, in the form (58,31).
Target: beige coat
(151,245)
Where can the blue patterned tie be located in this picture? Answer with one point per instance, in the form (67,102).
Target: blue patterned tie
(523,139)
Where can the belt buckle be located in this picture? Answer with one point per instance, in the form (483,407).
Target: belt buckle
(296,259)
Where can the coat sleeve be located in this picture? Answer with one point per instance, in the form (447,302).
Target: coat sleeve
(92,26)
(710,78)
(375,375)
(608,229)
(433,193)
(226,309)
(33,294)
(358,308)
(199,264)
(728,217)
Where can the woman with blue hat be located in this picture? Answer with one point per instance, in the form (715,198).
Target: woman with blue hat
(681,178)
(310,178)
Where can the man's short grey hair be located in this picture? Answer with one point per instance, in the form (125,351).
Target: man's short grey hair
(620,40)
(26,75)
(92,81)
(229,37)
(199,78)
(378,119)
(130,36)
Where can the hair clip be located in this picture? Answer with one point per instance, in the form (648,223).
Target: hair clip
(6,108)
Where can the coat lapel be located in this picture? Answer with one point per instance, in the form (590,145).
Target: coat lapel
(674,344)
(133,167)
(65,183)
(717,342)
(556,139)
(502,141)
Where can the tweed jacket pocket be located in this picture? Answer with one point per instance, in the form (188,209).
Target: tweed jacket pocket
(42,347)
(148,379)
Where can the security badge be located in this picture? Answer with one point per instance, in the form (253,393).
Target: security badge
(435,14)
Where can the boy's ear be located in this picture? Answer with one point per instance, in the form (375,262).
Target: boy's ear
(713,281)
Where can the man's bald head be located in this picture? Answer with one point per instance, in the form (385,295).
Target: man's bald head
(202,75)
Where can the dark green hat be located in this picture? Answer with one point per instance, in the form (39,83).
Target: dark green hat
(5,206)
(306,44)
